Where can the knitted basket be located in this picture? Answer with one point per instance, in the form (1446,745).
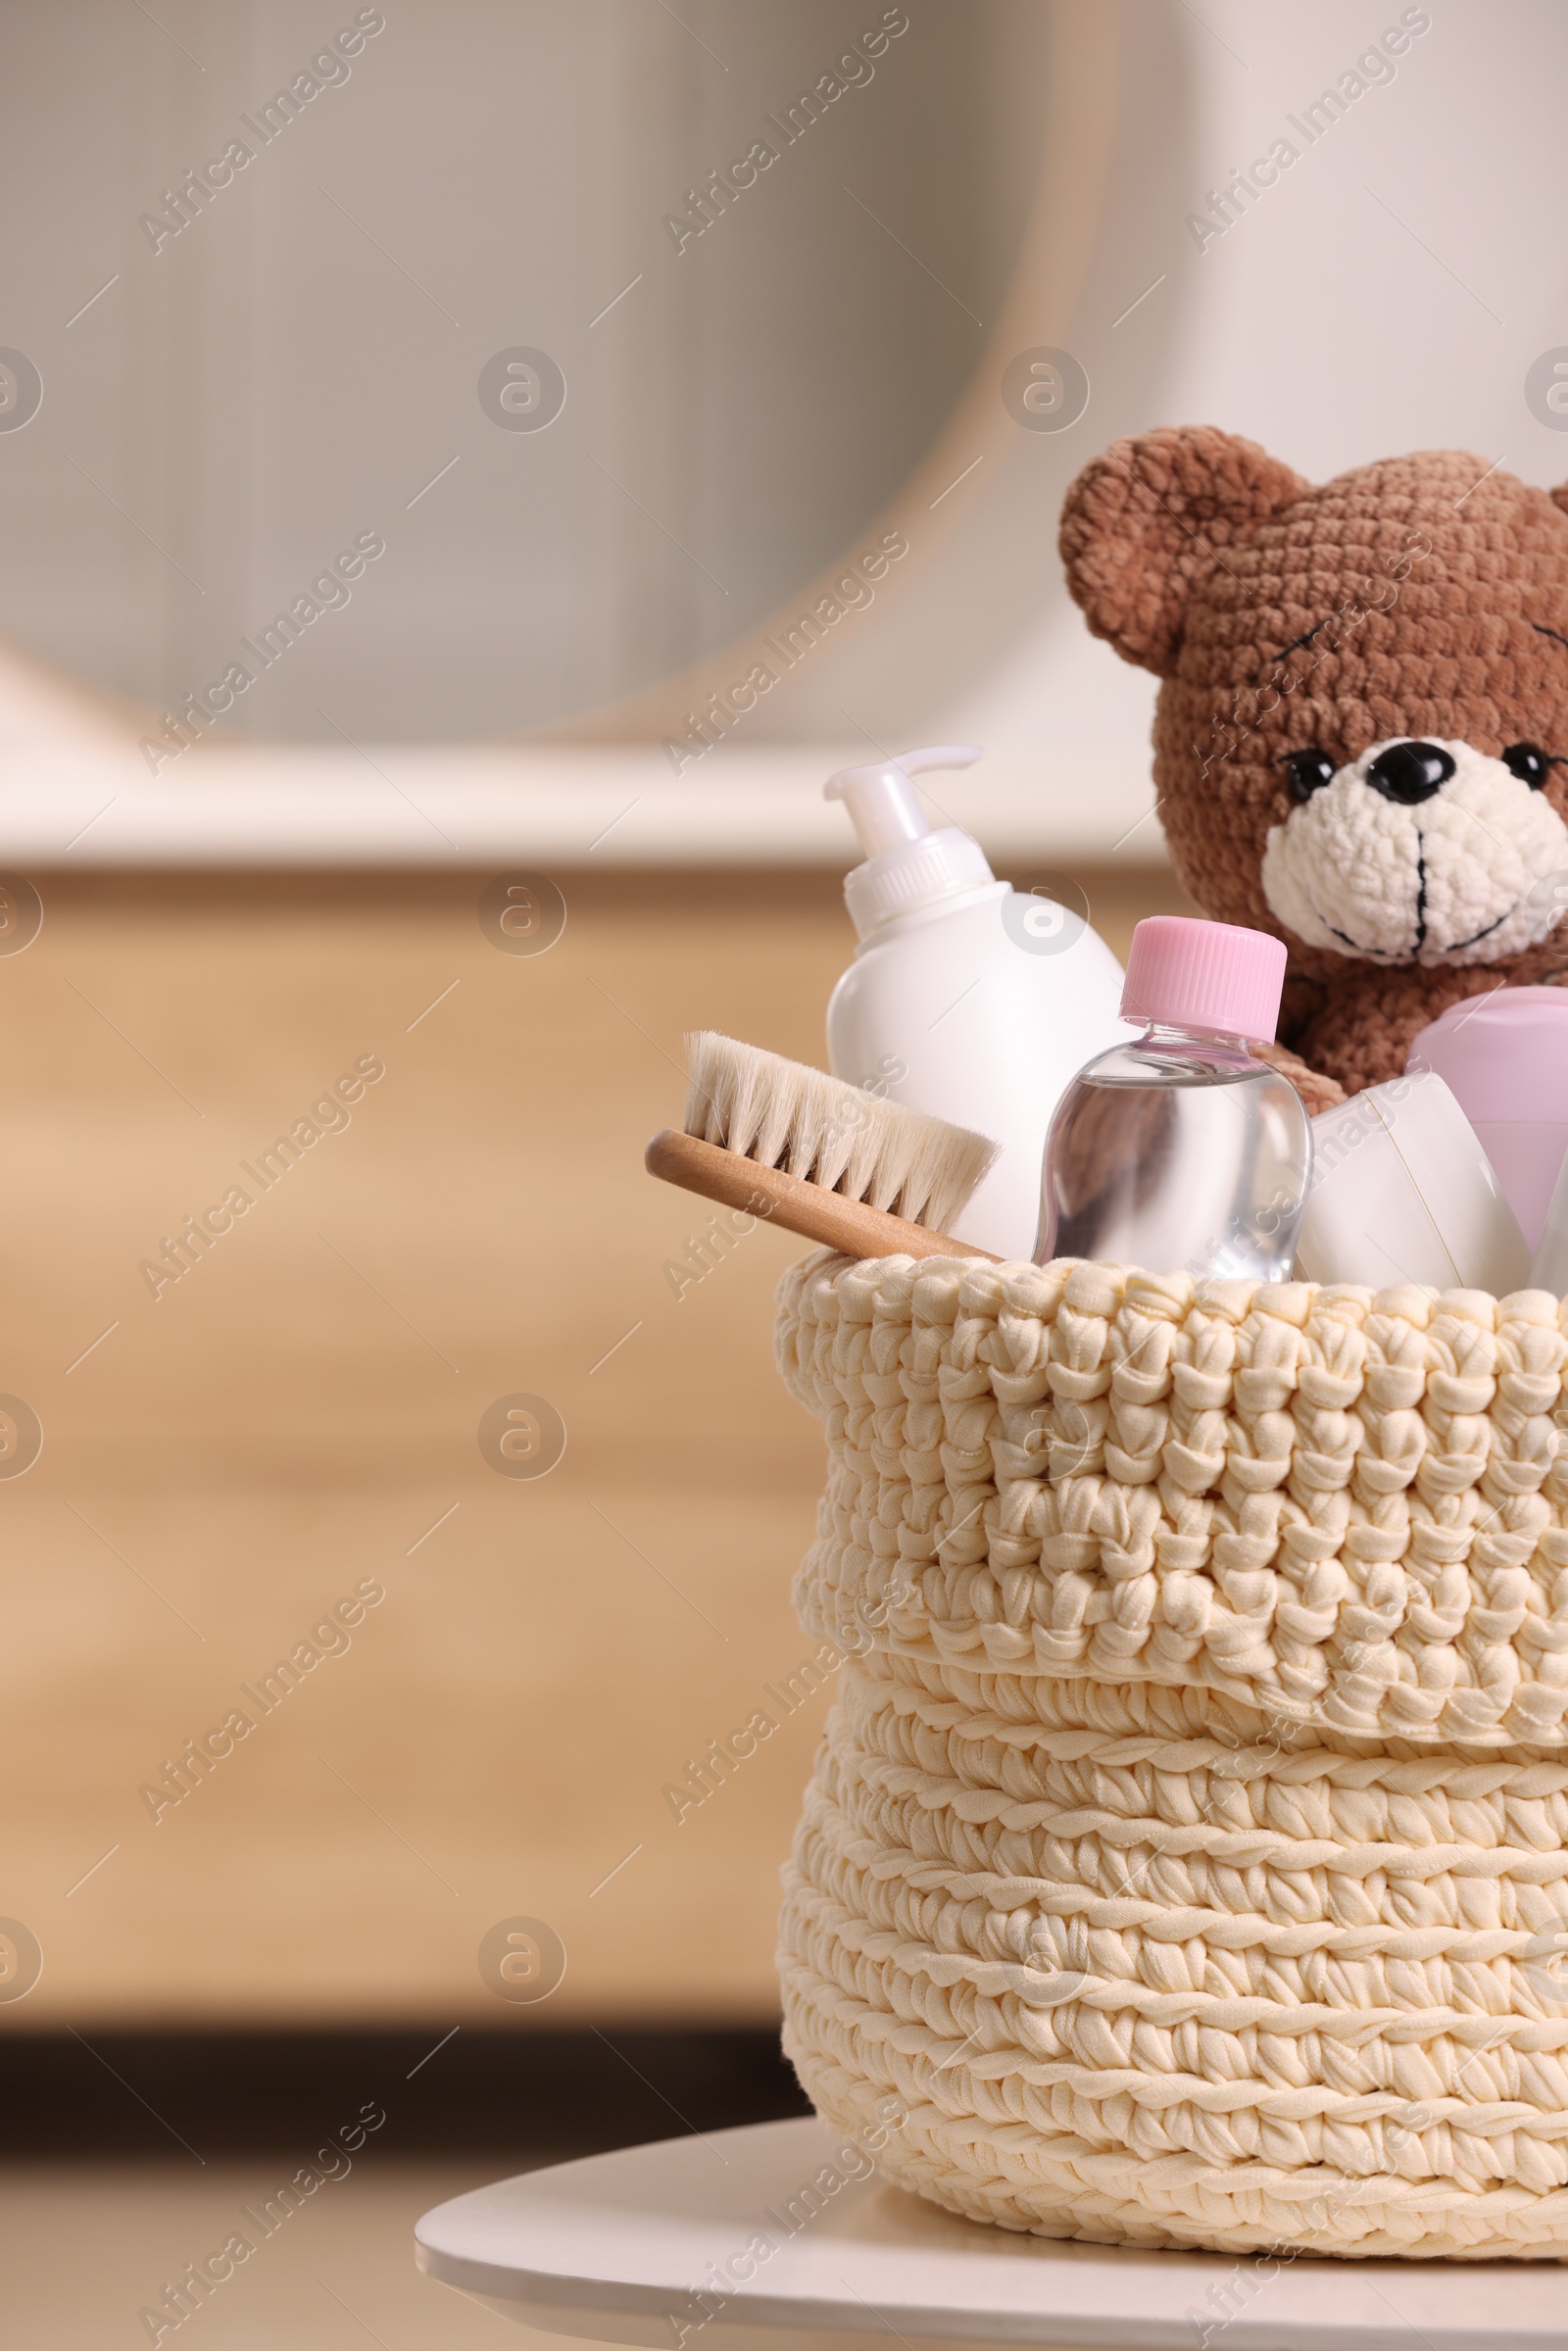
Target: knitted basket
(1187,1856)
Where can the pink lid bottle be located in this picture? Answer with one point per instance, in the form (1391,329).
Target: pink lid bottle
(1181,1152)
(1505,1059)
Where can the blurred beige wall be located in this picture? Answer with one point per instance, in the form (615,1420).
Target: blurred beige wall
(296,1413)
(230,401)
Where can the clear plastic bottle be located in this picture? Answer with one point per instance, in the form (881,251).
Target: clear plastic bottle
(1181,1152)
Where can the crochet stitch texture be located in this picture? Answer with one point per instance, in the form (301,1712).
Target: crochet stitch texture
(1189,1857)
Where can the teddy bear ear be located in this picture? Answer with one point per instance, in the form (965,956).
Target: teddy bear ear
(1143,522)
(1560,496)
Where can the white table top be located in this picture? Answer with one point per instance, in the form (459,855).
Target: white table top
(616,2248)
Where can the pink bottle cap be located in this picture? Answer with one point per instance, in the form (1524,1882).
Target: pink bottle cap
(1205,975)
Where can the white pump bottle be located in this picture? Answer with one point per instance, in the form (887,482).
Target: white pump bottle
(965,1000)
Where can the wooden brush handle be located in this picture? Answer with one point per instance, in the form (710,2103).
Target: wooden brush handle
(826,1217)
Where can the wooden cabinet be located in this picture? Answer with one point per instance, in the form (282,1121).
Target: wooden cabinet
(295,1418)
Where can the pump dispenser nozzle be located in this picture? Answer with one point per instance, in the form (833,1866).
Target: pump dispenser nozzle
(907,864)
(881,800)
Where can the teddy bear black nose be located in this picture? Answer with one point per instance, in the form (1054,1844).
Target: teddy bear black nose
(1408,772)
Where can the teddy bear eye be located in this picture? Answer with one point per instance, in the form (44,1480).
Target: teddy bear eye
(1529,762)
(1309,771)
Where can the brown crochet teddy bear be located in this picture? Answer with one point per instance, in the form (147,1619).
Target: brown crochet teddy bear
(1362,736)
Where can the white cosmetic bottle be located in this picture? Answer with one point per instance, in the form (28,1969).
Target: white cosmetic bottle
(1403,1192)
(965,1000)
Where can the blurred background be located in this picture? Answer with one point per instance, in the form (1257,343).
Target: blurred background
(430,367)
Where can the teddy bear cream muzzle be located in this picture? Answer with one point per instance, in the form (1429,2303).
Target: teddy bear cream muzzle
(1384,863)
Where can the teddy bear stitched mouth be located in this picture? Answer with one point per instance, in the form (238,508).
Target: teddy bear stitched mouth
(1419,941)
(1392,954)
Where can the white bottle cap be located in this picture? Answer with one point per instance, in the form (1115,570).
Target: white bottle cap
(907,864)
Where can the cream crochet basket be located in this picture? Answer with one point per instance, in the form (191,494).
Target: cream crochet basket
(1186,1855)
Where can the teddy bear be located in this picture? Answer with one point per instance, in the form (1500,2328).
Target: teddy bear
(1361,731)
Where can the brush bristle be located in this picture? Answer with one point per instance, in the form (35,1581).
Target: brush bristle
(783,1114)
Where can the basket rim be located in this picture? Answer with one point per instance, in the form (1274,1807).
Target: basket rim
(1340,1506)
